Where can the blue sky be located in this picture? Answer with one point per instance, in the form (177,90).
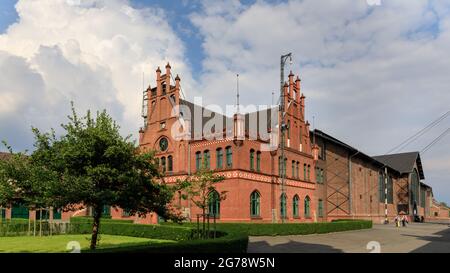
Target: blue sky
(372,75)
(8,14)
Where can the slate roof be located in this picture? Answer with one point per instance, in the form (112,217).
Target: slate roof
(403,162)
(227,121)
(352,150)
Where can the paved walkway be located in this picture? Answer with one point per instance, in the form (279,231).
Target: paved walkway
(417,237)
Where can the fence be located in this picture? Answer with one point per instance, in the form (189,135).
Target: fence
(33,228)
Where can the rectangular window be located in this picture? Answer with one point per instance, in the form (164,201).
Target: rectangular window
(293,169)
(320,208)
(381,187)
(198,160)
(258,161)
(304,172)
(317,174)
(219,159)
(207,159)
(229,155)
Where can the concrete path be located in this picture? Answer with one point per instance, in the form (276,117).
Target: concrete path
(417,237)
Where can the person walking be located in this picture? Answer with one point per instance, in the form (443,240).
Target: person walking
(396,220)
(403,221)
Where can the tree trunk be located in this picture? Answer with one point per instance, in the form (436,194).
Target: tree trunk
(96,226)
(203,229)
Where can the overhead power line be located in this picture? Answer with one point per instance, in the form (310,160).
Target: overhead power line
(436,140)
(412,138)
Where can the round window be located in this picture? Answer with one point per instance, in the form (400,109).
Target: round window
(163,144)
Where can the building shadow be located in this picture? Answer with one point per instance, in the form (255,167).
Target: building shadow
(439,243)
(290,247)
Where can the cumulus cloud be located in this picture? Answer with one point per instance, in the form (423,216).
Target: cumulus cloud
(372,75)
(93,52)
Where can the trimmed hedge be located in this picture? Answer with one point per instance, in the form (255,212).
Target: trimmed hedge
(261,229)
(235,236)
(228,242)
(136,230)
(88,219)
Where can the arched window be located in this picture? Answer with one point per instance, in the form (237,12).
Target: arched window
(252,159)
(297,170)
(198,160)
(219,158)
(258,161)
(163,163)
(285,167)
(254,204)
(229,155)
(207,159)
(307,207)
(295,202)
(170,163)
(214,204)
(320,208)
(283,206)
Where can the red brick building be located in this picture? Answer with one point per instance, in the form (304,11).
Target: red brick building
(235,150)
(325,178)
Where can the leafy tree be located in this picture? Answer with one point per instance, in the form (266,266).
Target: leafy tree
(93,165)
(197,188)
(20,182)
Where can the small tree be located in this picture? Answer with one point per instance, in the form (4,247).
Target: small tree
(197,188)
(93,165)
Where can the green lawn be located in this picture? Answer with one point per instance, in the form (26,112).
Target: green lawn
(58,243)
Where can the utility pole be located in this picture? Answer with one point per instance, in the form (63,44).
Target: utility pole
(283,128)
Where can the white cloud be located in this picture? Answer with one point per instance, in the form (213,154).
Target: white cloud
(93,52)
(372,75)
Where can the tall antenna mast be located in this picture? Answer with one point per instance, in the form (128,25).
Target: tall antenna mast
(314,130)
(237,90)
